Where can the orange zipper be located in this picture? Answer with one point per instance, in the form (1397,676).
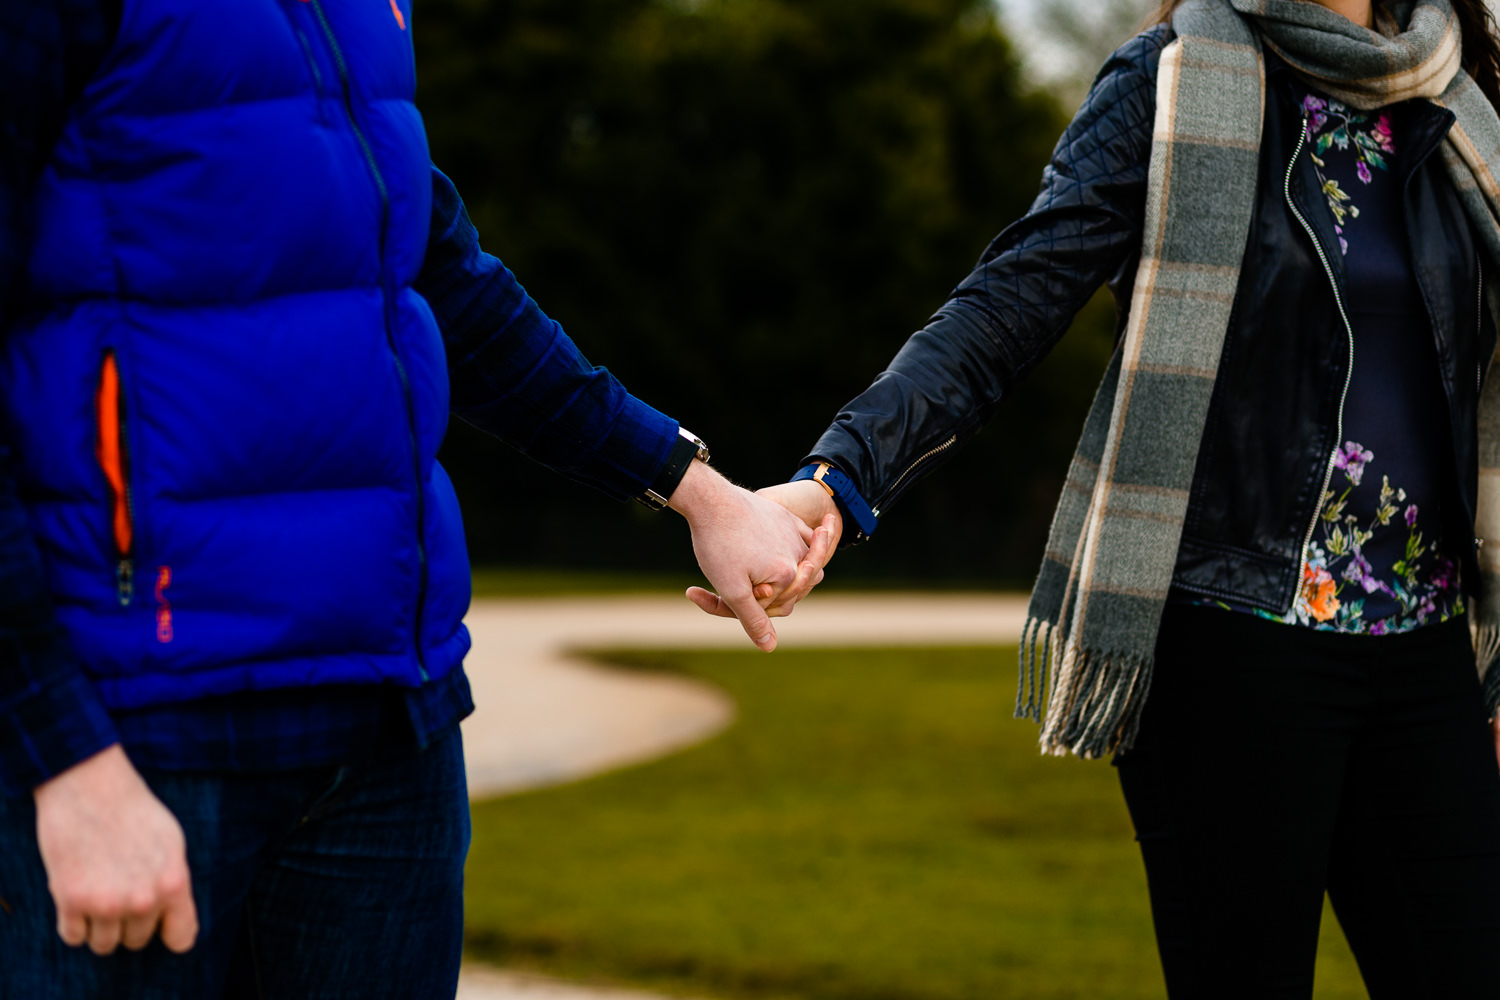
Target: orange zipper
(114,459)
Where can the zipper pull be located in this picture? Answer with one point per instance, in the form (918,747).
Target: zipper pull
(125,581)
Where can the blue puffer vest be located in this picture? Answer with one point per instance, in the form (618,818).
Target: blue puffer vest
(224,397)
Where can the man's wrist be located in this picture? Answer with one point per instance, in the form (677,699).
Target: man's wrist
(686,449)
(702,487)
(98,773)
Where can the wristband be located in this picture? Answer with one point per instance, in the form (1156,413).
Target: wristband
(845,496)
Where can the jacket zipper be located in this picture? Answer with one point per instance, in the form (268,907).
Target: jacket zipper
(114,458)
(889,495)
(390,336)
(1338,442)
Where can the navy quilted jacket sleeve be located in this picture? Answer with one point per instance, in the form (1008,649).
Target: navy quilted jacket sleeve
(517,375)
(1083,230)
(50,715)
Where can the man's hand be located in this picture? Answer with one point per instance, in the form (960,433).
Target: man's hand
(115,857)
(754,552)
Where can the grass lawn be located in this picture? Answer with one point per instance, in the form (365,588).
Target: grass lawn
(874,827)
(502,581)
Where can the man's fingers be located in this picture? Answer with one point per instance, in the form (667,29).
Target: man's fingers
(754,620)
(709,602)
(137,932)
(104,935)
(179,923)
(72,928)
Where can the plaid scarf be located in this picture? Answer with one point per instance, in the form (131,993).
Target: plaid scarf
(1091,627)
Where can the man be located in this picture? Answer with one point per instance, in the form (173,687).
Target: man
(238,306)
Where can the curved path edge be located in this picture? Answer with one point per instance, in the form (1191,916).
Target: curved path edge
(547,715)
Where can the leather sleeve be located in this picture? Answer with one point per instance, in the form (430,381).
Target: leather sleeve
(1083,229)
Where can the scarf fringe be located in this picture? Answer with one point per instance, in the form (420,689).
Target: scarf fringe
(1093,707)
(1486,650)
(1032,682)
(1486,647)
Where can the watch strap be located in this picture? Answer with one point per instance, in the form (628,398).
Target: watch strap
(850,503)
(686,448)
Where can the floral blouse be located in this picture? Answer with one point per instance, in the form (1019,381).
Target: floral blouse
(1374,561)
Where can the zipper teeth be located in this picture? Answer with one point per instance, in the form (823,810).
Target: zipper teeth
(1348,373)
(891,492)
(411,418)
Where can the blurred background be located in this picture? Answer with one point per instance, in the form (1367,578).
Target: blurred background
(743,208)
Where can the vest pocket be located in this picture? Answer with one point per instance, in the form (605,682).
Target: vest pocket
(113,451)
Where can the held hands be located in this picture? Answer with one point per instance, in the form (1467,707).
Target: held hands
(115,857)
(759,557)
(762,557)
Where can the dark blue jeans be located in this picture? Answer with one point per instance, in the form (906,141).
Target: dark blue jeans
(329,882)
(1275,764)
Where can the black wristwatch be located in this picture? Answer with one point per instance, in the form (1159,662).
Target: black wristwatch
(850,503)
(687,448)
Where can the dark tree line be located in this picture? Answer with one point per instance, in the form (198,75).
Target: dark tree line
(742,208)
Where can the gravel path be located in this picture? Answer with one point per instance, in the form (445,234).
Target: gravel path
(546,715)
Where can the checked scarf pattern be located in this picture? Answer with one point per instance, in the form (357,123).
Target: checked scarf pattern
(1086,652)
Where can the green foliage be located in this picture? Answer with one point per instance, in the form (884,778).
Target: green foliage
(873,827)
(743,207)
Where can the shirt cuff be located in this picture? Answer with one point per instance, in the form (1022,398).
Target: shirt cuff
(49,728)
(635,450)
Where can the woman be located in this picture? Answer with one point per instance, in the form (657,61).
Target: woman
(1268,523)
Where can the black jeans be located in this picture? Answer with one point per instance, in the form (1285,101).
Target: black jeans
(1276,763)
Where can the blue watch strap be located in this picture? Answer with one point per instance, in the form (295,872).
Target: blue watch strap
(850,503)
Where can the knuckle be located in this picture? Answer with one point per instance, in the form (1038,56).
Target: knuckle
(138,903)
(87,904)
(173,881)
(108,909)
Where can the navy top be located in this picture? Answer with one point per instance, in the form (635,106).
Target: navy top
(50,715)
(1375,563)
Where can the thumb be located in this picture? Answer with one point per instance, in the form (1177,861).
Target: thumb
(754,620)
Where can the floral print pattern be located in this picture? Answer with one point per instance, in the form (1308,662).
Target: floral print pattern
(1333,125)
(1337,578)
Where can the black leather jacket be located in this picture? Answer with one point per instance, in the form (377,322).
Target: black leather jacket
(1273,421)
